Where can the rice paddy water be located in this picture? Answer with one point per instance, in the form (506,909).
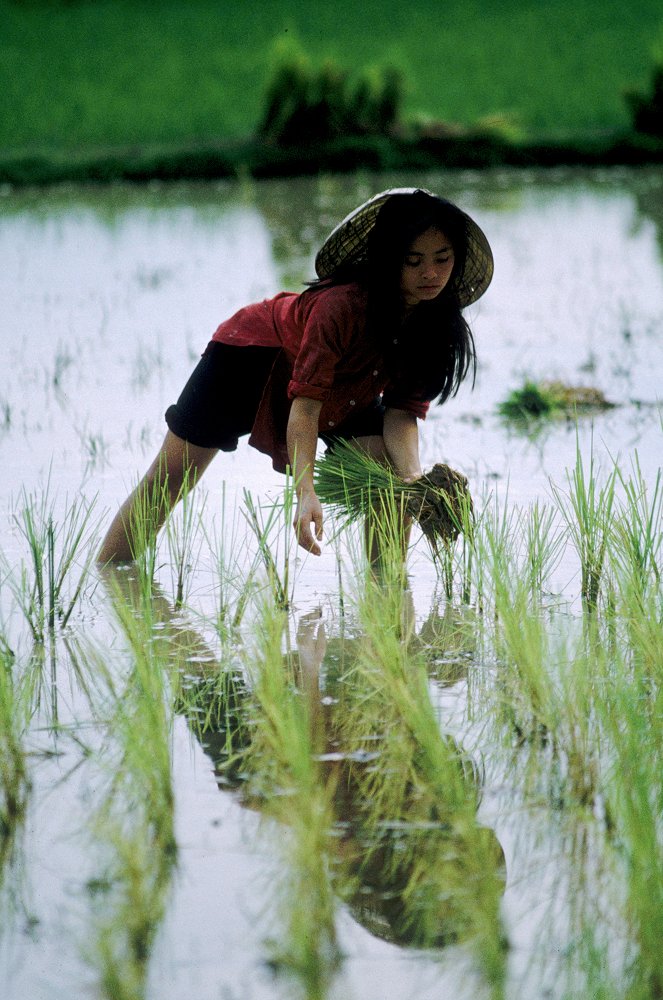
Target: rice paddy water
(233,770)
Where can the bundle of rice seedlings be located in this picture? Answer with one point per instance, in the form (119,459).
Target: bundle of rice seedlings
(355,484)
(550,399)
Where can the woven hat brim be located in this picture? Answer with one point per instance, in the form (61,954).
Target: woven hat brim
(347,245)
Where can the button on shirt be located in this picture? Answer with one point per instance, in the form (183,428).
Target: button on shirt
(325,354)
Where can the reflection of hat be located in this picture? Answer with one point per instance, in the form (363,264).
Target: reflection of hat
(347,244)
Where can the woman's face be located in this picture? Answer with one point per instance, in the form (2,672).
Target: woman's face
(426,268)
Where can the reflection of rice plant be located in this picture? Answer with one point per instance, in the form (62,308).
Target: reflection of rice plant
(422,778)
(148,360)
(63,361)
(95,448)
(135,822)
(632,716)
(61,552)
(5,415)
(285,774)
(13,772)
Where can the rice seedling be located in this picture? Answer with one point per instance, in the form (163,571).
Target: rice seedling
(530,401)
(269,543)
(357,487)
(537,400)
(183,534)
(147,361)
(354,484)
(523,652)
(60,554)
(545,683)
(234,584)
(311,104)
(587,511)
(149,506)
(638,530)
(498,530)
(544,546)
(145,519)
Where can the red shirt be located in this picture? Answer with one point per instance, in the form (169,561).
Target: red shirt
(325,354)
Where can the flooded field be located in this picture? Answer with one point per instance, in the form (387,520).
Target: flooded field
(226,777)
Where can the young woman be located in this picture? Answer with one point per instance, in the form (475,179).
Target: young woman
(360,354)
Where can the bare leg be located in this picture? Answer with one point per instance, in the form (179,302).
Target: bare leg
(177,462)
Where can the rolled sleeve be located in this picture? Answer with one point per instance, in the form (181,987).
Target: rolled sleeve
(308,390)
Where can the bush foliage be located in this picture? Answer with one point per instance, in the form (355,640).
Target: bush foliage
(308,104)
(647,109)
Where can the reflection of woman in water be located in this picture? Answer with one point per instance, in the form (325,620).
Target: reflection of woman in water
(405,850)
(359,355)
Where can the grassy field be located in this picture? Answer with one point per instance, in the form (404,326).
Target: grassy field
(97,73)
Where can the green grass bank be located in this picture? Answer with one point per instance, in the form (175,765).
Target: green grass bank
(113,82)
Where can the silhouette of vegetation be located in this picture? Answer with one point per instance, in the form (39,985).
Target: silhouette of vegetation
(308,104)
(647,109)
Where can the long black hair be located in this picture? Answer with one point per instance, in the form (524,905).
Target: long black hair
(429,354)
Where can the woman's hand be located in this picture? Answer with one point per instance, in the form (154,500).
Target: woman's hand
(309,512)
(302,438)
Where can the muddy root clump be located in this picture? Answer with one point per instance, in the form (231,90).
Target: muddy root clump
(441,504)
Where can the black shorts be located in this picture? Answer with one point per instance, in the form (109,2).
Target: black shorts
(218,404)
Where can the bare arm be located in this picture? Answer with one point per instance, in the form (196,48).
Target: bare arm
(302,438)
(401,440)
